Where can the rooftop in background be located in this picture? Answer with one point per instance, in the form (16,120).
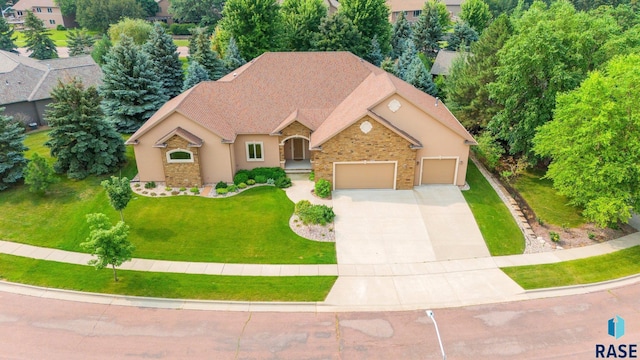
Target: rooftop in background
(442,64)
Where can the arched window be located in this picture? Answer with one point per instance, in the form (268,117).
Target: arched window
(179,156)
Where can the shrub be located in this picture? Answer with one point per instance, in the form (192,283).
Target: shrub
(150,185)
(242,186)
(175,192)
(323,188)
(221,185)
(241,177)
(251,182)
(283,182)
(267,172)
(314,214)
(181,29)
(183,188)
(312,176)
(137,185)
(591,235)
(301,205)
(61,28)
(555,237)
(163,194)
(195,190)
(222,191)
(260,179)
(153,194)
(488,150)
(168,188)
(270,181)
(232,188)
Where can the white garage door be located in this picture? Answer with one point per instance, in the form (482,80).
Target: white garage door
(438,171)
(365,176)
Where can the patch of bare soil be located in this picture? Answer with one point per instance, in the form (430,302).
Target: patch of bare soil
(312,232)
(585,235)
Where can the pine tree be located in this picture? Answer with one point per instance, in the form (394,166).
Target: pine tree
(338,33)
(375,54)
(38,40)
(408,54)
(418,76)
(39,175)
(131,90)
(302,20)
(232,58)
(389,66)
(371,18)
(200,51)
(7,40)
(82,140)
(427,31)
(79,42)
(401,32)
(101,49)
(462,38)
(196,74)
(165,61)
(12,160)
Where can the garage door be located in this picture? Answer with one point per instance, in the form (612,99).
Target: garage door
(365,176)
(438,171)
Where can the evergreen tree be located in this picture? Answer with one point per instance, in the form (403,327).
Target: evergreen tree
(165,61)
(232,58)
(12,160)
(39,175)
(79,42)
(38,40)
(337,33)
(302,20)
(131,90)
(371,18)
(418,76)
(463,36)
(401,32)
(389,66)
(196,74)
(427,31)
(7,40)
(101,49)
(200,51)
(81,140)
(409,53)
(375,54)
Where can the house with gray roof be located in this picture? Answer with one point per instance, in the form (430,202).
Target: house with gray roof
(26,83)
(444,60)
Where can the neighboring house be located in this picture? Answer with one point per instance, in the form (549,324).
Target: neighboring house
(26,83)
(46,10)
(331,112)
(443,61)
(332,5)
(163,14)
(413,8)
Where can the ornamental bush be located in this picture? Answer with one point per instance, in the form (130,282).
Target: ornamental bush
(242,186)
(251,182)
(314,214)
(283,182)
(221,185)
(241,177)
(323,188)
(261,179)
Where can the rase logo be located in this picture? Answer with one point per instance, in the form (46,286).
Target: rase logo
(615,328)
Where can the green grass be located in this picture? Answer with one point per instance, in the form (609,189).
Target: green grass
(252,227)
(583,271)
(548,205)
(181,42)
(58,37)
(499,229)
(167,285)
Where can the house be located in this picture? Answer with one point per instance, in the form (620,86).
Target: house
(26,83)
(46,10)
(349,121)
(442,63)
(163,14)
(413,8)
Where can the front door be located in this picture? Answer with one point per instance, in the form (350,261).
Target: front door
(298,149)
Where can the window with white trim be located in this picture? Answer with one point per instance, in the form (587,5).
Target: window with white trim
(49,10)
(39,10)
(179,156)
(52,22)
(254,151)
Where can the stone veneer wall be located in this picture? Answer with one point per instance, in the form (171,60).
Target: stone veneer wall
(181,174)
(295,128)
(380,144)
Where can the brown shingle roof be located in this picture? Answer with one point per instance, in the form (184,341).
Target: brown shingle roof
(193,140)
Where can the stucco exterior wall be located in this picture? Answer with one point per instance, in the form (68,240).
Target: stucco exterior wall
(270,149)
(215,157)
(437,139)
(379,144)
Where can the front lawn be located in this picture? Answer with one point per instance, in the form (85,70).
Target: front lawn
(611,266)
(498,228)
(166,285)
(251,227)
(544,200)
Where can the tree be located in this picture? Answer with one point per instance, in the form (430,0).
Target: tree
(418,76)
(196,74)
(38,40)
(7,40)
(98,15)
(79,42)
(375,54)
(594,143)
(137,29)
(165,61)
(108,243)
(202,12)
(200,51)
(131,90)
(462,38)
(389,66)
(371,18)
(12,160)
(39,175)
(337,33)
(67,7)
(256,25)
(150,7)
(401,32)
(404,62)
(427,31)
(475,13)
(302,20)
(232,58)
(119,193)
(81,140)
(101,49)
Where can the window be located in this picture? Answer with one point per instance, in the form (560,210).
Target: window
(19,12)
(49,10)
(38,9)
(52,22)
(254,151)
(416,13)
(179,156)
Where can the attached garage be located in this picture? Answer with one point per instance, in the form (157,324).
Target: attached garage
(369,175)
(438,171)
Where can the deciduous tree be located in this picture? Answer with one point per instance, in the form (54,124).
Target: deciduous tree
(12,160)
(163,54)
(110,244)
(100,14)
(475,13)
(371,17)
(38,40)
(302,20)
(119,193)
(202,12)
(137,29)
(337,33)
